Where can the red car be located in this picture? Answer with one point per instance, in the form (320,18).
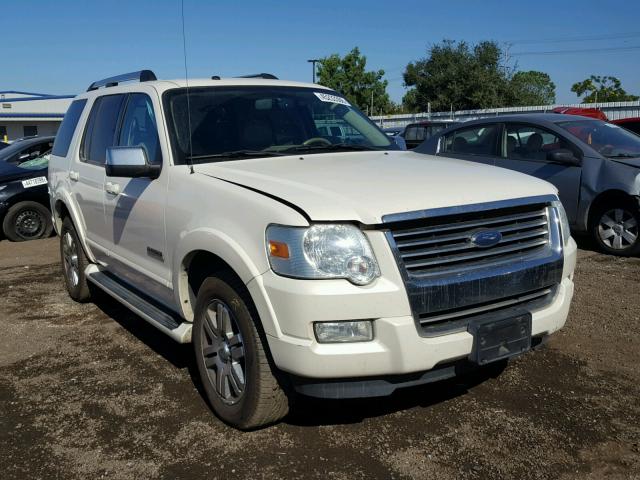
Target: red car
(632,124)
(583,112)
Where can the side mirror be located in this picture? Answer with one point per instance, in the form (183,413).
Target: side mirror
(564,156)
(130,162)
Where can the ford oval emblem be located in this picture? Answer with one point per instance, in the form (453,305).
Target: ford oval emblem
(486,238)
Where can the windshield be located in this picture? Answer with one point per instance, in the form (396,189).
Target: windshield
(249,121)
(606,138)
(36,163)
(22,150)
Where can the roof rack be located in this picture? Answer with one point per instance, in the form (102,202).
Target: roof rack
(141,76)
(266,76)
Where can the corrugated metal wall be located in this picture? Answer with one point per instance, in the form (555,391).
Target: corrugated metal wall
(613,110)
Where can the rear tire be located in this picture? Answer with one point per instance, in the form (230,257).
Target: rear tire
(615,227)
(232,357)
(27,221)
(74,263)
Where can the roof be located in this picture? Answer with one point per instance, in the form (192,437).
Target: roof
(18,92)
(538,117)
(162,85)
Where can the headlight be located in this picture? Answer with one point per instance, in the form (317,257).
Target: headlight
(564,222)
(322,251)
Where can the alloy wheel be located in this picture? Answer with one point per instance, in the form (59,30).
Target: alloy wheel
(223,352)
(70,259)
(618,229)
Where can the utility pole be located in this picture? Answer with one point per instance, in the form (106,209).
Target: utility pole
(371,102)
(314,61)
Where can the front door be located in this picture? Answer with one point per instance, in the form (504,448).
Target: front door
(527,149)
(134,207)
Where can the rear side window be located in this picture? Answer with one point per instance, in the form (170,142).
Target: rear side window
(67,128)
(101,128)
(476,140)
(139,128)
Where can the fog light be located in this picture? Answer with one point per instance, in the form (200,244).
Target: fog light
(340,332)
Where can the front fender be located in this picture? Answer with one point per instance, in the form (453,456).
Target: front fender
(215,242)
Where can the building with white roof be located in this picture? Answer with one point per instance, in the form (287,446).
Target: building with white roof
(23,114)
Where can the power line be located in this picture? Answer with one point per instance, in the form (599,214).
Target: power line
(580,50)
(583,38)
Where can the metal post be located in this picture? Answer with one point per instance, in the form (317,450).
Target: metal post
(313,62)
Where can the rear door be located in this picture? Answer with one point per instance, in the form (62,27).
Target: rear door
(86,172)
(526,148)
(476,143)
(134,207)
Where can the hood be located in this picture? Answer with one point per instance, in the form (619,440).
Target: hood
(365,186)
(9,172)
(632,162)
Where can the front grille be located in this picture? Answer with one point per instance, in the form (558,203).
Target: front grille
(443,245)
(451,281)
(457,319)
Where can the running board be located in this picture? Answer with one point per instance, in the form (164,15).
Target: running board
(169,324)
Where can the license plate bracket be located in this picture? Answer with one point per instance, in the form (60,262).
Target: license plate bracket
(500,338)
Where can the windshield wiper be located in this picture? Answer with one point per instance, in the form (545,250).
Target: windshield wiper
(234,154)
(330,148)
(624,155)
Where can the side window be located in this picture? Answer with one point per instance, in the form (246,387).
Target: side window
(421,133)
(67,128)
(527,142)
(101,128)
(139,127)
(412,133)
(476,140)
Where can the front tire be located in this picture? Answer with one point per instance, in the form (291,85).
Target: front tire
(232,356)
(27,221)
(616,228)
(74,263)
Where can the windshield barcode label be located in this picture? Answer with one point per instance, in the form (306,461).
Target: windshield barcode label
(34,182)
(325,97)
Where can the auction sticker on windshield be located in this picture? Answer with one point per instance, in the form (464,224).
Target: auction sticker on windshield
(34,182)
(326,97)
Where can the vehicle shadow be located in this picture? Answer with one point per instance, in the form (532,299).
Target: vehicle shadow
(306,411)
(585,242)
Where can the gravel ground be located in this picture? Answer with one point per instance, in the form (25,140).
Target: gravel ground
(91,391)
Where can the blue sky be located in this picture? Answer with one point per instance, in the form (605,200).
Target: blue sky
(61,47)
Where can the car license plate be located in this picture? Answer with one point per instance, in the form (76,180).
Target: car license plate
(498,339)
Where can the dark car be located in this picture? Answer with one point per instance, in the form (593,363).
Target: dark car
(24,198)
(594,164)
(416,133)
(631,124)
(26,148)
(3,145)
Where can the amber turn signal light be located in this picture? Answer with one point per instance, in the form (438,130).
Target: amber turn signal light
(278,249)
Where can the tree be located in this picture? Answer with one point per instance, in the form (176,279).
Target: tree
(454,75)
(602,89)
(463,77)
(532,88)
(348,75)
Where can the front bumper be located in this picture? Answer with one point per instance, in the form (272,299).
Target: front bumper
(289,307)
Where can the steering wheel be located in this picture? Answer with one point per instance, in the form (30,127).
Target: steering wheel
(316,141)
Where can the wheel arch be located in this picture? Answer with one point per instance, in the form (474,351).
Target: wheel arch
(204,253)
(608,197)
(63,208)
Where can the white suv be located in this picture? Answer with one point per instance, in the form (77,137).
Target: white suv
(294,260)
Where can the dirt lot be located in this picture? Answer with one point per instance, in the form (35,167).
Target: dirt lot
(91,391)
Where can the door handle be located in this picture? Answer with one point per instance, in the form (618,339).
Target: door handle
(112,188)
(74,176)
